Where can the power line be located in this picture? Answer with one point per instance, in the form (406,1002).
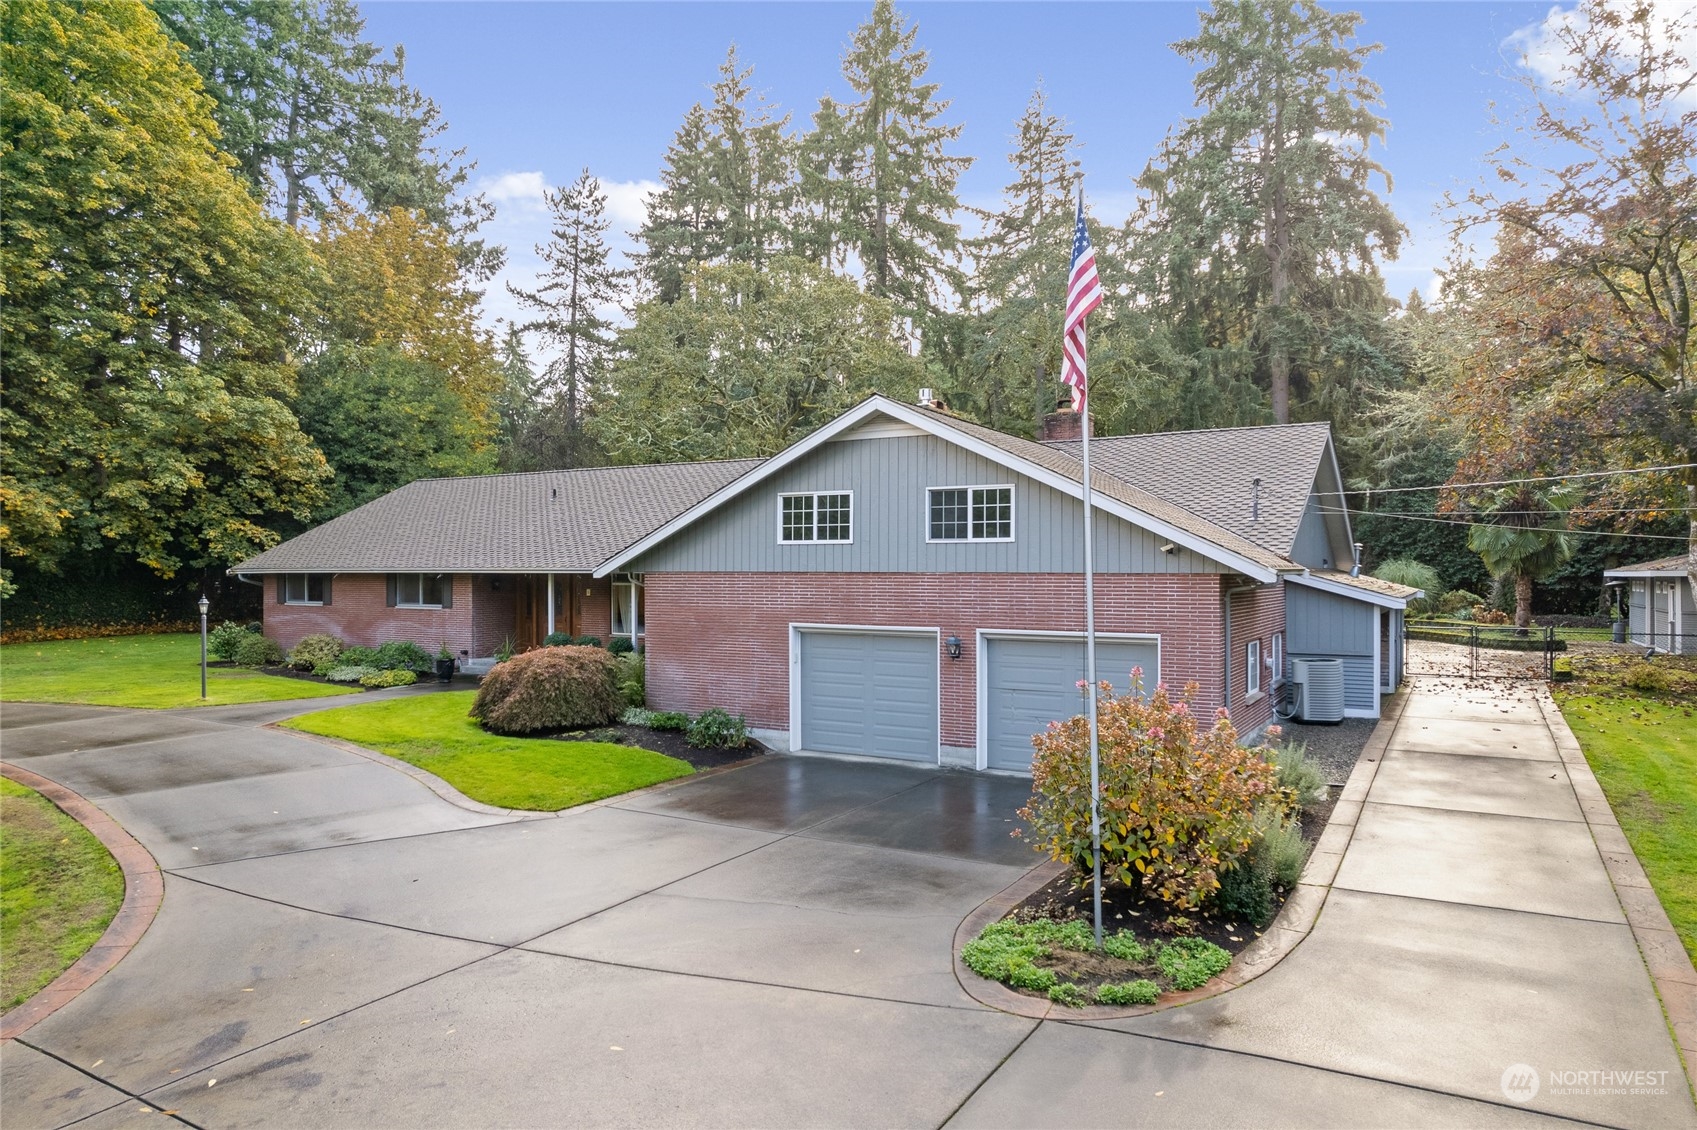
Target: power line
(1517,482)
(1453,522)
(1541,513)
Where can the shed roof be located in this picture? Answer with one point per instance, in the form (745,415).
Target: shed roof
(1212,474)
(545,522)
(1679,564)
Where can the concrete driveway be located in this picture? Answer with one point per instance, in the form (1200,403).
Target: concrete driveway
(767,946)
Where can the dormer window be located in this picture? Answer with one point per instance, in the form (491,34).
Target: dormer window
(816,517)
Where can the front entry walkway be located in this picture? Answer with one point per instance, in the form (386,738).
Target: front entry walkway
(771,945)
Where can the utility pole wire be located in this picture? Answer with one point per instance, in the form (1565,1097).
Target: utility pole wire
(1517,482)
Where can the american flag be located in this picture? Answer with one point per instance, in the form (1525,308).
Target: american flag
(1084,294)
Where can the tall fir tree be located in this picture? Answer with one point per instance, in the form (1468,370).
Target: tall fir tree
(516,404)
(1261,233)
(881,169)
(578,285)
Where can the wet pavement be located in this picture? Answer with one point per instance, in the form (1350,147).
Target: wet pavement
(771,945)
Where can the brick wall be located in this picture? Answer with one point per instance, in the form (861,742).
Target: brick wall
(1256,615)
(358,613)
(493,613)
(722,639)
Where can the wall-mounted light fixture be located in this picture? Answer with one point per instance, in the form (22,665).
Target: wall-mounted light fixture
(1169,549)
(952,644)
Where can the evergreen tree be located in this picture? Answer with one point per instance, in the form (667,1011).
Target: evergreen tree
(682,224)
(880,169)
(1262,230)
(579,285)
(516,403)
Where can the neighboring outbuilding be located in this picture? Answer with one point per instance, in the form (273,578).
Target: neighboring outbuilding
(901,584)
(1660,604)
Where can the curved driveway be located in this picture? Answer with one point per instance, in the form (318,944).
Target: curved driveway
(770,946)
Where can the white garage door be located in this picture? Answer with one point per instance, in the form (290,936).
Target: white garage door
(871,693)
(1029,683)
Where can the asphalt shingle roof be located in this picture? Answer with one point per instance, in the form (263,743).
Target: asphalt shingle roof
(545,522)
(1365,583)
(1212,474)
(1063,459)
(1677,564)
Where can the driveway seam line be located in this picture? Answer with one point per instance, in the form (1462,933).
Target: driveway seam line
(1099,1027)
(991,1074)
(1470,811)
(129,1095)
(1479,906)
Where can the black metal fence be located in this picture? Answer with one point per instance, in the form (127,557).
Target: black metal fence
(1502,651)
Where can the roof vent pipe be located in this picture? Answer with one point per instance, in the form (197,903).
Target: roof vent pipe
(1255,500)
(1355,570)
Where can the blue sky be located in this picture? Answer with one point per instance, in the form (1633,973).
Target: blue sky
(537,91)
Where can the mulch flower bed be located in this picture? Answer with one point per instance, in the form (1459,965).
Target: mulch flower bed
(669,742)
(1126,909)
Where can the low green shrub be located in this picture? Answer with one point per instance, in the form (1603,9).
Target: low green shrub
(358,657)
(1189,962)
(389,679)
(638,716)
(1008,951)
(403,655)
(718,729)
(349,674)
(1300,774)
(1068,994)
(1645,677)
(1129,992)
(1124,945)
(587,641)
(550,688)
(669,720)
(1414,574)
(1457,602)
(315,651)
(621,645)
(258,651)
(222,641)
(1272,863)
(633,685)
(557,639)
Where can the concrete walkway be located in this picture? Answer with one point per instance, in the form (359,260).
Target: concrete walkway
(770,946)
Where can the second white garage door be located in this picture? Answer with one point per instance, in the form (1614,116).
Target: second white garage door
(871,693)
(1029,683)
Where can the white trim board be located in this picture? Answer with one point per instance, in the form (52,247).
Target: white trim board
(876,405)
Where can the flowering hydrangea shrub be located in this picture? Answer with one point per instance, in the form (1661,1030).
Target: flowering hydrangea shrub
(1177,801)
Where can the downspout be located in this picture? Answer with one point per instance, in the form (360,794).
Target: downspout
(1226,608)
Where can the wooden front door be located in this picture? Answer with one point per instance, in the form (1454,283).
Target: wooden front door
(530,607)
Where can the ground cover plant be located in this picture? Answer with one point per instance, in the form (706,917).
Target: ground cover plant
(1636,720)
(435,733)
(142,671)
(1060,960)
(59,887)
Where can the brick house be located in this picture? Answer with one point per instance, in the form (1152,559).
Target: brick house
(900,584)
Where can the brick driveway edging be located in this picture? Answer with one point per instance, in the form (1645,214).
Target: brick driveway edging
(1295,919)
(1664,954)
(144,890)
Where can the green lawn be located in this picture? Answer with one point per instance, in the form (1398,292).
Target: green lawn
(152,671)
(434,733)
(1644,753)
(59,887)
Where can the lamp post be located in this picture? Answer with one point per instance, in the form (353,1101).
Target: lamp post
(204,605)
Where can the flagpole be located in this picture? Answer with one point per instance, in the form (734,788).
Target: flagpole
(1090,663)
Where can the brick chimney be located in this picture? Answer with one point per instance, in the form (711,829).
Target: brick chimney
(1062,423)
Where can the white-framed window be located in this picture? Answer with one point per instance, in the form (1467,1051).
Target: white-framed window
(1276,660)
(420,590)
(821,516)
(1252,669)
(970,514)
(303,588)
(627,606)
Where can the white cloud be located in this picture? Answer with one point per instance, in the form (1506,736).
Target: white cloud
(509,188)
(1542,47)
(627,201)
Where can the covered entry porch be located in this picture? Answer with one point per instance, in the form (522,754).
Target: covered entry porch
(521,610)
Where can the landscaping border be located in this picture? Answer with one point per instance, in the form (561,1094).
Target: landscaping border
(1670,968)
(144,890)
(1293,924)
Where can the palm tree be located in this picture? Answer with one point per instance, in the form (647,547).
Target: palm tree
(1523,537)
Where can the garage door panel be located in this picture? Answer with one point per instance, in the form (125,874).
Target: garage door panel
(1032,682)
(869,693)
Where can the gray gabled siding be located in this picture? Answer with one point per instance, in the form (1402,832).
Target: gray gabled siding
(1319,625)
(1313,547)
(889,478)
